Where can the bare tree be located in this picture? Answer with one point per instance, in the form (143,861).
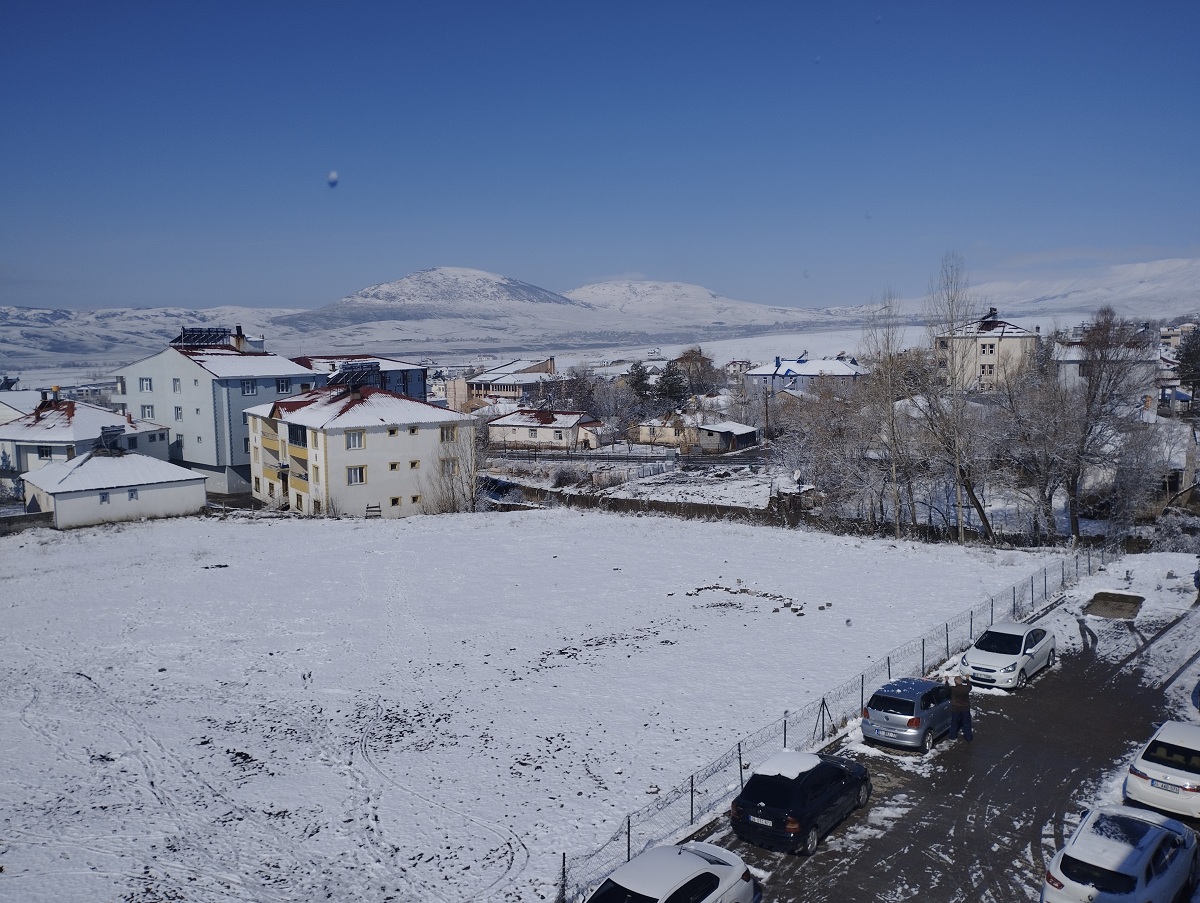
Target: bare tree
(453,483)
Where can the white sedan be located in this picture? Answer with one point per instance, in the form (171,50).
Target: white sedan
(694,872)
(1008,654)
(1166,773)
(1118,855)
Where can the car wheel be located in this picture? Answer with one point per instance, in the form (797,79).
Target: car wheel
(927,741)
(811,839)
(864,794)
(1022,680)
(1050,659)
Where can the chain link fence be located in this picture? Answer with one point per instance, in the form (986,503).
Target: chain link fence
(683,808)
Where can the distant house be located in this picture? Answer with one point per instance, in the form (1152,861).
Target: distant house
(984,352)
(550,430)
(800,374)
(202,385)
(516,380)
(101,488)
(676,430)
(359,451)
(726,436)
(60,430)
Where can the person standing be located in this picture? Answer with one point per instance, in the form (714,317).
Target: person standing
(960,708)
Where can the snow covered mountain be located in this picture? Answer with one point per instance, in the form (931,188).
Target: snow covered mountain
(457,311)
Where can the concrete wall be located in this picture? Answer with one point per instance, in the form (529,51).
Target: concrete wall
(84,509)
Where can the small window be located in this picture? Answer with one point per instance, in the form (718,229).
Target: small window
(249,387)
(416,499)
(316,475)
(558,434)
(246,445)
(104,498)
(133,495)
(299,503)
(392,431)
(199,440)
(178,413)
(394,465)
(162,437)
(283,386)
(197,411)
(147,412)
(195,382)
(533,433)
(412,430)
(270,490)
(297,435)
(305,387)
(449,433)
(257,484)
(45,452)
(131,442)
(356,439)
(176,385)
(395,501)
(449,467)
(414,465)
(356,476)
(154,437)
(145,384)
(245,419)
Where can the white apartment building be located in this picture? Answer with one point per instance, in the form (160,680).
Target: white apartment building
(359,451)
(200,387)
(984,353)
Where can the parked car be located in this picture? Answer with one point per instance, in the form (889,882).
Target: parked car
(1122,854)
(910,712)
(694,872)
(1166,773)
(794,799)
(1008,654)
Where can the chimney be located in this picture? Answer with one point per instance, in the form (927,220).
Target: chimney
(777,362)
(70,411)
(129,418)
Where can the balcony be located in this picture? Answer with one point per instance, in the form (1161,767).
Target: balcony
(270,442)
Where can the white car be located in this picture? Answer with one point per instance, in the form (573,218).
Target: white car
(695,872)
(1166,773)
(1008,654)
(1122,854)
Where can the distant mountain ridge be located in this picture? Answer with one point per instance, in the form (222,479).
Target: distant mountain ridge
(461,311)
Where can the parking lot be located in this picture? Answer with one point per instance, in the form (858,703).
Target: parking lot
(977,822)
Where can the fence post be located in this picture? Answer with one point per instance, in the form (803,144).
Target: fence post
(1045,584)
(1032,593)
(922,656)
(947,639)
(562,885)
(971,626)
(692,788)
(1014,601)
(1064,577)
(1089,551)
(785,728)
(889,660)
(628,837)
(862,691)
(741,771)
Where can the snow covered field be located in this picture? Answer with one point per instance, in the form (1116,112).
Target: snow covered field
(432,709)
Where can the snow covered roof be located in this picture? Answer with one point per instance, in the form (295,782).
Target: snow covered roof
(831,366)
(561,420)
(328,363)
(23,400)
(229,363)
(339,408)
(789,764)
(729,426)
(91,471)
(673,420)
(991,325)
(66,421)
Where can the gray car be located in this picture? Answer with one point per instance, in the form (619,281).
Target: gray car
(910,712)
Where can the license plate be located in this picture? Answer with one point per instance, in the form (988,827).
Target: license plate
(887,733)
(1161,785)
(761,821)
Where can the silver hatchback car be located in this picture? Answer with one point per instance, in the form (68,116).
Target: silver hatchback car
(1007,654)
(910,712)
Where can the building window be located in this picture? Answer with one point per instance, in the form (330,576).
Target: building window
(395,501)
(147,412)
(257,484)
(179,439)
(131,442)
(145,384)
(558,434)
(270,489)
(299,503)
(394,465)
(392,431)
(246,445)
(176,386)
(254,453)
(533,433)
(154,437)
(249,387)
(197,412)
(449,433)
(120,385)
(678,431)
(162,436)
(178,413)
(316,506)
(316,474)
(416,499)
(356,439)
(356,475)
(306,387)
(283,386)
(195,382)
(297,435)
(45,453)
(449,467)
(414,465)
(989,347)
(133,495)
(245,419)
(199,440)
(412,430)
(104,498)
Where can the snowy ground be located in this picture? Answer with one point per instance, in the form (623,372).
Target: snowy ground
(429,709)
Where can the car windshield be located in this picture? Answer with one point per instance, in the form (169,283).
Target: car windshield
(1104,880)
(771,790)
(1171,756)
(611,892)
(1002,643)
(891,704)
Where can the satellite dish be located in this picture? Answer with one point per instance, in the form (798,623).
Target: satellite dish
(332,178)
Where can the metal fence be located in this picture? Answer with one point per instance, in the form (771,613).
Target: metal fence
(676,811)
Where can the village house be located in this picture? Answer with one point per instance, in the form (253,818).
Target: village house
(548,430)
(60,430)
(389,374)
(983,353)
(359,450)
(201,385)
(515,381)
(801,373)
(726,436)
(101,487)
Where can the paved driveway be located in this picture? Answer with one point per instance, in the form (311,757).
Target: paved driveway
(977,822)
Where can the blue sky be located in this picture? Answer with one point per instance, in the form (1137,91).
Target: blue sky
(806,154)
